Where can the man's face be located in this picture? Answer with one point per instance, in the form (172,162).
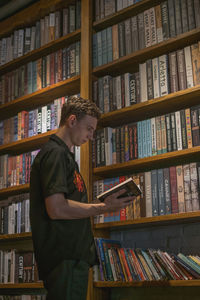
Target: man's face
(83,130)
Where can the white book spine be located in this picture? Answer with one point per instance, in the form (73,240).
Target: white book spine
(21,43)
(188,66)
(194,186)
(152,17)
(156,79)
(119,5)
(127,88)
(143,82)
(178,130)
(148,199)
(44,119)
(164,84)
(147,28)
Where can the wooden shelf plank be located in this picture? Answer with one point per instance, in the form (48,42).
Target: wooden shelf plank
(151,108)
(130,63)
(32,285)
(13,190)
(149,163)
(44,50)
(16,236)
(186,217)
(167,283)
(42,97)
(124,14)
(27,144)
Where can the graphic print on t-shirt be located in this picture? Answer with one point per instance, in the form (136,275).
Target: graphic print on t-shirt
(78,181)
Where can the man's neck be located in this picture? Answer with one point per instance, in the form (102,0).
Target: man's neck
(62,133)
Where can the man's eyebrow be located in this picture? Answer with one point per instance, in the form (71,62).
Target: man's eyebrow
(91,126)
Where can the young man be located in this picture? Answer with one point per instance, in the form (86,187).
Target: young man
(60,212)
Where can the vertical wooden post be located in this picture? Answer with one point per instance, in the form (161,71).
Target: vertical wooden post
(86,85)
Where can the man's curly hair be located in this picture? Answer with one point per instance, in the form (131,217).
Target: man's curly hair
(79,107)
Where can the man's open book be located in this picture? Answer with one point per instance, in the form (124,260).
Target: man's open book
(129,185)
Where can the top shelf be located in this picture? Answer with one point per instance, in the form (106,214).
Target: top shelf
(124,14)
(29,15)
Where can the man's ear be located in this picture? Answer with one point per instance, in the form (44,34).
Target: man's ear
(72,120)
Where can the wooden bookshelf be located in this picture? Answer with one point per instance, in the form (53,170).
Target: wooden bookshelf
(14,190)
(16,236)
(151,108)
(186,217)
(166,283)
(124,14)
(129,63)
(149,163)
(41,97)
(62,42)
(32,285)
(27,144)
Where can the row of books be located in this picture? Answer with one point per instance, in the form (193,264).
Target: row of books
(45,71)
(17,267)
(127,264)
(29,123)
(106,8)
(44,31)
(15,170)
(164,191)
(157,77)
(146,29)
(171,132)
(14,214)
(23,297)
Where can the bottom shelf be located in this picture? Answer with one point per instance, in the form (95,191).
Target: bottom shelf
(170,283)
(32,285)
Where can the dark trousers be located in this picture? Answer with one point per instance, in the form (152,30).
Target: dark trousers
(68,281)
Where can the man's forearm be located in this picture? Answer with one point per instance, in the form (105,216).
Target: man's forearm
(60,208)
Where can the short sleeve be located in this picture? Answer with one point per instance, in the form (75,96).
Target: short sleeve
(53,172)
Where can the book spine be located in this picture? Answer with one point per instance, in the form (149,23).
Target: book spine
(173,189)
(180,188)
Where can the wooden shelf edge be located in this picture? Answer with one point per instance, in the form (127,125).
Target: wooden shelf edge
(14,190)
(126,62)
(32,285)
(149,163)
(44,50)
(40,97)
(18,236)
(169,283)
(28,143)
(146,221)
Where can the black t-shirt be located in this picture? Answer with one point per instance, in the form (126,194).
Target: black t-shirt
(54,170)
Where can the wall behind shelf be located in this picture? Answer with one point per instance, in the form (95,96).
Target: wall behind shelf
(156,293)
(175,238)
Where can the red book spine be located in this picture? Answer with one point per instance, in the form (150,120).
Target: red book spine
(173,188)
